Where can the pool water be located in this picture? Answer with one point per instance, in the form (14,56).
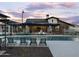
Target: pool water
(19,39)
(60,46)
(59,38)
(48,38)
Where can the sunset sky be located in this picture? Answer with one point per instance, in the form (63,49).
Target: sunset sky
(67,11)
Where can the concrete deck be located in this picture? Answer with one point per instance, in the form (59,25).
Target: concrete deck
(27,52)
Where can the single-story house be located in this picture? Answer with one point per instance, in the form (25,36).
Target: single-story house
(52,25)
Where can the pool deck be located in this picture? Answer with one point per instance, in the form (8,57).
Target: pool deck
(27,52)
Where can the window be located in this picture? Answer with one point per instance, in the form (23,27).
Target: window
(53,20)
(50,21)
(50,29)
(57,28)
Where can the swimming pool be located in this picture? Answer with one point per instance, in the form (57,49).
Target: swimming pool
(17,39)
(38,37)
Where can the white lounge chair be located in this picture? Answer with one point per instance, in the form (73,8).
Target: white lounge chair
(43,42)
(33,42)
(11,42)
(23,42)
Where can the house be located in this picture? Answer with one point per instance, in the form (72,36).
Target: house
(9,28)
(3,19)
(51,25)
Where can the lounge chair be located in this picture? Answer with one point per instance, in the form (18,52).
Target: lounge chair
(33,42)
(23,42)
(42,42)
(11,42)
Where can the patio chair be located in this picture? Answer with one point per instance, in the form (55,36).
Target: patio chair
(11,42)
(23,42)
(42,42)
(33,42)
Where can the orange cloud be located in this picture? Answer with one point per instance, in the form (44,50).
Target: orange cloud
(39,14)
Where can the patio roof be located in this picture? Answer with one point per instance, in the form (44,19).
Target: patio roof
(2,15)
(36,21)
(32,24)
(8,21)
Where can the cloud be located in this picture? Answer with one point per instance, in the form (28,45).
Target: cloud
(39,14)
(40,9)
(50,5)
(18,15)
(39,6)
(68,4)
(1,11)
(74,19)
